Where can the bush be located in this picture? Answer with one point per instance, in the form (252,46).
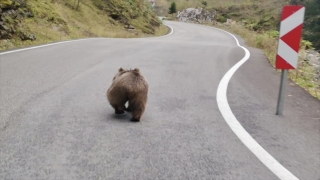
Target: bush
(273,34)
(304,44)
(221,19)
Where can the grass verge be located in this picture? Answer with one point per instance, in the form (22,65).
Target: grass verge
(305,75)
(58,20)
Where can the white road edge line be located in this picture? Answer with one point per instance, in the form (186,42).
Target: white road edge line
(62,42)
(236,127)
(171,31)
(40,46)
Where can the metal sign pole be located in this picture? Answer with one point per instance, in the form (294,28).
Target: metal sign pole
(284,73)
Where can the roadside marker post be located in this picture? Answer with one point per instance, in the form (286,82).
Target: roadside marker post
(288,46)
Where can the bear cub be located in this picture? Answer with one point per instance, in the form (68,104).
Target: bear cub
(128,85)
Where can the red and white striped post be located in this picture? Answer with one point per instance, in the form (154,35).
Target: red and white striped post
(288,45)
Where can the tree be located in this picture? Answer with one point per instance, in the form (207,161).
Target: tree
(296,2)
(204,3)
(311,30)
(173,8)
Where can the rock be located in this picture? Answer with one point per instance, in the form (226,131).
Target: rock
(195,15)
(32,37)
(3,17)
(29,14)
(4,4)
(310,56)
(11,14)
(22,3)
(229,21)
(2,33)
(1,25)
(313,58)
(24,12)
(5,35)
(4,27)
(25,36)
(316,66)
(128,26)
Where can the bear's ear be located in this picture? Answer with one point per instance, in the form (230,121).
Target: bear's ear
(136,70)
(120,69)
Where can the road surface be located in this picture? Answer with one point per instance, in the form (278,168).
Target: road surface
(56,122)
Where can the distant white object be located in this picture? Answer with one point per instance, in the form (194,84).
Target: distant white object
(195,15)
(152,3)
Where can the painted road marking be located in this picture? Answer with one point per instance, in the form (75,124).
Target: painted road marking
(46,45)
(171,31)
(40,46)
(236,127)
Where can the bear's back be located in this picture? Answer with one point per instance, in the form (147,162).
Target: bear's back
(131,82)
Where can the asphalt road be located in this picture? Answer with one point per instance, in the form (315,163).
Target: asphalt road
(56,123)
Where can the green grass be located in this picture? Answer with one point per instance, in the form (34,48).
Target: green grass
(58,20)
(304,75)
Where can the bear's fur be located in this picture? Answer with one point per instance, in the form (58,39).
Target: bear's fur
(128,85)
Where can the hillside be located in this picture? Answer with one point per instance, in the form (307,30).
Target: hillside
(29,22)
(256,15)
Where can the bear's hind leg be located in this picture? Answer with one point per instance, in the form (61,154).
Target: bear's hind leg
(137,107)
(137,113)
(135,119)
(119,109)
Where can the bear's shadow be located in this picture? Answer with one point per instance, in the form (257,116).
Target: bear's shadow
(119,117)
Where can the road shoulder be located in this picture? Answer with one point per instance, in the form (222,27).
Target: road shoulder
(294,138)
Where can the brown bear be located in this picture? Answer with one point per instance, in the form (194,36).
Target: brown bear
(128,85)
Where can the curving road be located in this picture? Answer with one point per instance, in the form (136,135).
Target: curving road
(57,124)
